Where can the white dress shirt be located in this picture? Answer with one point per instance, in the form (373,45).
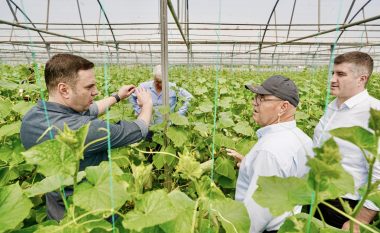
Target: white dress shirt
(280,151)
(353,112)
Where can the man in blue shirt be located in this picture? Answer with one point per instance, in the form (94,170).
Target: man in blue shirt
(155,88)
(71,85)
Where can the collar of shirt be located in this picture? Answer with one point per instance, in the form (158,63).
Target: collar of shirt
(56,107)
(351,102)
(276,128)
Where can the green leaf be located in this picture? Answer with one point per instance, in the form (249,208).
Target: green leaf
(225,123)
(202,128)
(177,136)
(52,158)
(206,107)
(232,214)
(178,119)
(358,136)
(298,224)
(151,209)
(185,209)
(207,190)
(5,107)
(200,90)
(225,102)
(22,107)
(224,141)
(8,85)
(225,167)
(142,175)
(244,128)
(52,183)
(188,167)
(94,193)
(11,129)
(244,146)
(301,116)
(282,194)
(374,121)
(14,207)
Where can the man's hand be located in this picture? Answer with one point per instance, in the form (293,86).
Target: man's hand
(365,216)
(144,98)
(125,91)
(238,157)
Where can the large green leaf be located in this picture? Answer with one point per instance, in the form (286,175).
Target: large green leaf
(11,129)
(244,146)
(22,107)
(207,190)
(142,175)
(225,123)
(232,214)
(177,119)
(203,128)
(94,193)
(244,128)
(52,183)
(185,210)
(282,194)
(206,107)
(178,136)
(14,207)
(225,167)
(358,136)
(224,141)
(299,224)
(374,121)
(188,167)
(52,158)
(8,85)
(151,209)
(5,107)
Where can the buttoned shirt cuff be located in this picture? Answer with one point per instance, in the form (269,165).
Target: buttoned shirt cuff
(143,127)
(370,205)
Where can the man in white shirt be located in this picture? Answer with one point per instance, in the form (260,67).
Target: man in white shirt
(281,148)
(350,108)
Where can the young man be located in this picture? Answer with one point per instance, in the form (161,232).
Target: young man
(350,108)
(281,148)
(71,85)
(155,88)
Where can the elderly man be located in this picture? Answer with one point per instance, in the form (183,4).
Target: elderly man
(155,88)
(281,148)
(350,108)
(71,85)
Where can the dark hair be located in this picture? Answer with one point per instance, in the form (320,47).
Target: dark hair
(361,60)
(64,67)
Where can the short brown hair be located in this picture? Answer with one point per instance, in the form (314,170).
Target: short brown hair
(64,67)
(362,61)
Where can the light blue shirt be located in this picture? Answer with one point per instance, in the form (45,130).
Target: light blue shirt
(353,112)
(281,151)
(157,99)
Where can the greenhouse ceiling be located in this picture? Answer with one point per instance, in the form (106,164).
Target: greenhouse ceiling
(233,32)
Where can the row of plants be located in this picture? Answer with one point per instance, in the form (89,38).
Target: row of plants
(178,189)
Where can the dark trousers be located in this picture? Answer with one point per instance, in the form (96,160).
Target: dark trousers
(269,231)
(332,217)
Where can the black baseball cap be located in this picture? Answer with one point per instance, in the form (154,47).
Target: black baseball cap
(279,86)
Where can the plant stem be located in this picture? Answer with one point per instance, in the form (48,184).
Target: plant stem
(194,216)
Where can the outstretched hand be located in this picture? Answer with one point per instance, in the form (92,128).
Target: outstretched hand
(238,157)
(143,96)
(126,90)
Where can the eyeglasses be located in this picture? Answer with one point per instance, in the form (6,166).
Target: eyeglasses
(258,99)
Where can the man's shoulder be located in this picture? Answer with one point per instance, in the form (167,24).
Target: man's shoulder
(374,103)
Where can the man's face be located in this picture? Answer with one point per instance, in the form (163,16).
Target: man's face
(158,82)
(82,95)
(266,109)
(345,82)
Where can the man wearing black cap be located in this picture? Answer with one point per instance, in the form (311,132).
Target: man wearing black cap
(281,148)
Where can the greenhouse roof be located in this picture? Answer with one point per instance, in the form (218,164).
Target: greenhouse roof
(239,32)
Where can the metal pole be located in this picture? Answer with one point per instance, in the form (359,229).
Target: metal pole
(164,55)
